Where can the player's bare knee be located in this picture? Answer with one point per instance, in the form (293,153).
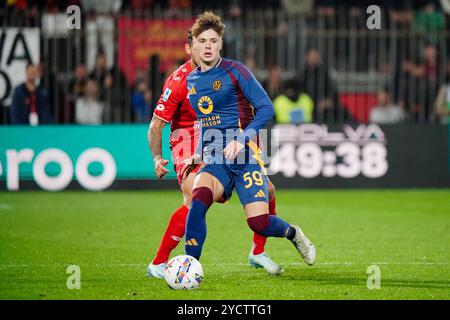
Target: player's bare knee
(187,198)
(207,180)
(255,209)
(186,188)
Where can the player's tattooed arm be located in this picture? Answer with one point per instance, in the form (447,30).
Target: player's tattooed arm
(155,142)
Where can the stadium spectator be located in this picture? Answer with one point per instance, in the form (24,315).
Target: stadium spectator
(141,75)
(117,106)
(261,74)
(401,83)
(319,86)
(273,86)
(99,26)
(114,91)
(16,13)
(234,44)
(385,112)
(430,66)
(400,17)
(77,85)
(46,81)
(294,7)
(293,105)
(429,22)
(101,75)
(141,102)
(324,8)
(77,88)
(54,6)
(442,104)
(88,109)
(445,5)
(176,7)
(422,83)
(30,102)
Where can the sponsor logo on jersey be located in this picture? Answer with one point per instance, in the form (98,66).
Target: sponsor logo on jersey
(160,107)
(205,105)
(176,78)
(217,85)
(210,121)
(192,91)
(166,94)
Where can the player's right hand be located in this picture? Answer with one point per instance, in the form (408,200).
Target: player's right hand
(160,167)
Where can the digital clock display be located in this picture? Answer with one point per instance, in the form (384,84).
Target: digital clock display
(311,150)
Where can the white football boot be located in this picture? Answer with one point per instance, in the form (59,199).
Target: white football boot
(304,246)
(156,270)
(262,260)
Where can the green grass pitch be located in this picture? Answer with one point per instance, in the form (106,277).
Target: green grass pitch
(111,236)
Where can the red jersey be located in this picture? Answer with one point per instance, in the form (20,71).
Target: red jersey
(173,106)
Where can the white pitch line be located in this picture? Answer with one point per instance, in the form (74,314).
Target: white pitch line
(226,264)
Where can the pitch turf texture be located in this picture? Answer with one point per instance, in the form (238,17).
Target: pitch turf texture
(112,235)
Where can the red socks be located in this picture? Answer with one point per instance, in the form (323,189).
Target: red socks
(176,228)
(174,233)
(272,205)
(259,241)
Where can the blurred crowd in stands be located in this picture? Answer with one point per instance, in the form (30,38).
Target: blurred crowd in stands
(312,56)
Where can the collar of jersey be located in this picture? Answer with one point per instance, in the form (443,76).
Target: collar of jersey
(217,64)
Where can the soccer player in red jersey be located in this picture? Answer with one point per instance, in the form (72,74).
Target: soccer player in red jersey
(173,106)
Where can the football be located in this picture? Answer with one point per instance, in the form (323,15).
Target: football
(183,272)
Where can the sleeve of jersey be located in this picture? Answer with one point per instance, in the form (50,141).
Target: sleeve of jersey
(169,101)
(257,96)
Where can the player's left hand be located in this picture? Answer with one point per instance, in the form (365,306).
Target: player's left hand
(232,149)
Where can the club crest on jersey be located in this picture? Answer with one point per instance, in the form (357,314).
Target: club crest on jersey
(217,85)
(205,105)
(166,94)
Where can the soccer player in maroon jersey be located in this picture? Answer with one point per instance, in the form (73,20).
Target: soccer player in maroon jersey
(173,106)
(232,107)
